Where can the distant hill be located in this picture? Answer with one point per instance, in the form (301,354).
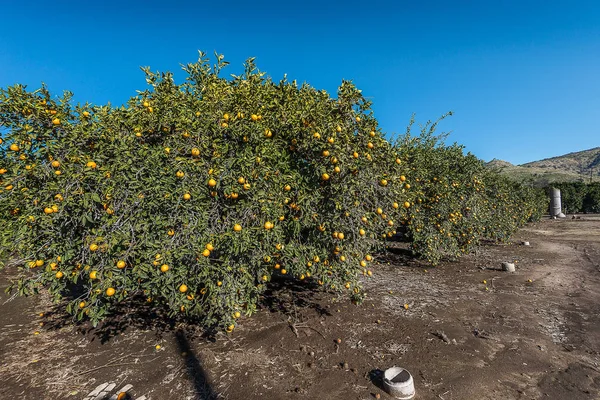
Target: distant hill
(572,167)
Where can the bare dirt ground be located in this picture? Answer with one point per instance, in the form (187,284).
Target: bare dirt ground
(533,334)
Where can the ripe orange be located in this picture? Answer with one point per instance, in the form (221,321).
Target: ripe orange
(59,275)
(325,177)
(406,204)
(187,196)
(81,304)
(164,268)
(121,264)
(39,263)
(110,291)
(56,121)
(14,147)
(206,253)
(268,225)
(180,174)
(91,164)
(183,288)
(93,274)
(237,227)
(212,182)
(210,247)
(170,232)
(93,247)
(86,114)
(55,164)
(402,178)
(287,188)
(195,152)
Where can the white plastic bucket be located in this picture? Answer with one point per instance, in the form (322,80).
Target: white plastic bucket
(399,383)
(509,267)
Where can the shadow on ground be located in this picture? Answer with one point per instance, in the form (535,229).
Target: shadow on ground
(132,314)
(285,296)
(196,373)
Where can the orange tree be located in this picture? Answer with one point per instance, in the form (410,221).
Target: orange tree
(194,195)
(508,205)
(457,201)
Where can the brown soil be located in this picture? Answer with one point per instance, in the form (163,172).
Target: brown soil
(519,339)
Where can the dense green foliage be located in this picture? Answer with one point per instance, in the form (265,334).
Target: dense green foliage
(458,201)
(579,197)
(195,195)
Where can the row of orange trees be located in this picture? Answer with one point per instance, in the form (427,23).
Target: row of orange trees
(458,202)
(195,195)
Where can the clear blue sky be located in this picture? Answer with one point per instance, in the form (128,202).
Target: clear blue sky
(523,77)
